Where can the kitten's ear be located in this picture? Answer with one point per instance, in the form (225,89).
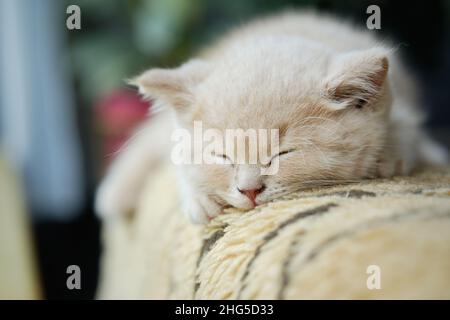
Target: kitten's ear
(173,86)
(356,79)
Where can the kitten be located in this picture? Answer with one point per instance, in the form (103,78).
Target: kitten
(345,107)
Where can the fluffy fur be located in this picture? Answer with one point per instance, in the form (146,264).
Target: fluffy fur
(345,107)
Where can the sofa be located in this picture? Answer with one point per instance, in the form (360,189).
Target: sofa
(376,239)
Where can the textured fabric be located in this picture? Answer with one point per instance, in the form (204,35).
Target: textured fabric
(314,244)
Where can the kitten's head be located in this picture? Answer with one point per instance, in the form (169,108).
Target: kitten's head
(330,110)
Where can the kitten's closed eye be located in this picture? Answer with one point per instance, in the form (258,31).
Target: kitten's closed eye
(280,154)
(360,103)
(222,159)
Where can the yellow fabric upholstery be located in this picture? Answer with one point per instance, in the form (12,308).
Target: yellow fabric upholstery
(18,273)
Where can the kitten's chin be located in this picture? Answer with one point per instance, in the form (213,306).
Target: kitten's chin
(249,205)
(244,204)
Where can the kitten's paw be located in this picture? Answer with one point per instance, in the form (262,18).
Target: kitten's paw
(114,199)
(201,209)
(431,152)
(390,168)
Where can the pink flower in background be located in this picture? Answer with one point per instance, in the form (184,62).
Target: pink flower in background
(117,115)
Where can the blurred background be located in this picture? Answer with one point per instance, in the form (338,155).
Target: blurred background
(64,109)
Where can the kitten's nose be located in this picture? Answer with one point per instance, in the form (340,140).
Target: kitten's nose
(252,193)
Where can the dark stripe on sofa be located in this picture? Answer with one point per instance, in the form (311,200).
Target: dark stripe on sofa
(367,226)
(207,245)
(342,235)
(354,193)
(271,235)
(314,253)
(286,263)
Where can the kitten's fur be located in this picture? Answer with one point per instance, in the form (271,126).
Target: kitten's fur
(345,106)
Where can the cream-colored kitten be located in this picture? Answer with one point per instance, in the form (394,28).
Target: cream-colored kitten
(345,107)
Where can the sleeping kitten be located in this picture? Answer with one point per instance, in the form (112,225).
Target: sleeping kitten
(345,107)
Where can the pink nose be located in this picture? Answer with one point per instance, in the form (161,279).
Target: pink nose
(252,193)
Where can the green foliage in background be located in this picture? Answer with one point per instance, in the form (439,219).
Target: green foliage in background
(120,38)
